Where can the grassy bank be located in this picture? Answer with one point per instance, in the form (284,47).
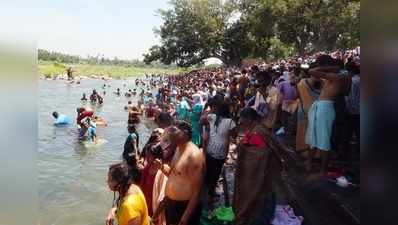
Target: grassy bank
(50,68)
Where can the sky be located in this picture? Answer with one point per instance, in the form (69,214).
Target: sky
(114,28)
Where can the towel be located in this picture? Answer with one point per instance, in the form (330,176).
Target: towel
(320,123)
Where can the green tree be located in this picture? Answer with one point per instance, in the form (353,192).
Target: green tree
(194,30)
(326,24)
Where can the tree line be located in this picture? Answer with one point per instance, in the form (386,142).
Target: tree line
(232,30)
(53,56)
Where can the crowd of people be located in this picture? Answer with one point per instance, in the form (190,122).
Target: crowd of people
(314,99)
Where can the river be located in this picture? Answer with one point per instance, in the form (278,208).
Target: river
(71,178)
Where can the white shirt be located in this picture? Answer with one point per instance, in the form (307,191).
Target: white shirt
(219,136)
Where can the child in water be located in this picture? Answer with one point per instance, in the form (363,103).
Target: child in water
(92,128)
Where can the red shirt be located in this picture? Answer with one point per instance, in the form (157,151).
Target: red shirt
(83,115)
(254,139)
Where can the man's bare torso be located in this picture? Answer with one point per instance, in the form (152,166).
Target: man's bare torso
(179,186)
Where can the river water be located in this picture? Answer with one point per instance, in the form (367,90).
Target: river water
(71,178)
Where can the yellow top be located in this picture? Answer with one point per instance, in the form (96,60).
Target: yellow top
(133,206)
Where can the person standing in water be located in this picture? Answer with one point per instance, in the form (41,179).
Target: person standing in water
(93,96)
(131,145)
(82,114)
(185,175)
(69,73)
(84,98)
(92,130)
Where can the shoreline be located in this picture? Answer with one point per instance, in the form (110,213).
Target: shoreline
(51,69)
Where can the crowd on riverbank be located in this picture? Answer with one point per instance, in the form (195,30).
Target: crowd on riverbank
(314,99)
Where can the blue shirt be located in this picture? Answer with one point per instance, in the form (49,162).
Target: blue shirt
(62,120)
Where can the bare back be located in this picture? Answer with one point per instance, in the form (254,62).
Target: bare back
(334,87)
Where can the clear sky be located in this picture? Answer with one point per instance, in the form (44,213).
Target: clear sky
(121,28)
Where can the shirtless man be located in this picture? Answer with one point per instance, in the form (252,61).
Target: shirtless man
(321,115)
(185,173)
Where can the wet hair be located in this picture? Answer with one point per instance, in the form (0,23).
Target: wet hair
(55,114)
(123,174)
(186,128)
(249,113)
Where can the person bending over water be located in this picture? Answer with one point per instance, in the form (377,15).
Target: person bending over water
(185,174)
(61,119)
(82,114)
(130,207)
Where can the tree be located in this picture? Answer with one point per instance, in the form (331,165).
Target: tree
(194,30)
(326,24)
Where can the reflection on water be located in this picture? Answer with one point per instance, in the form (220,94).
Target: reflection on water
(72,179)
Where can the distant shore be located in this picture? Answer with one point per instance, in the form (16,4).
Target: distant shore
(54,70)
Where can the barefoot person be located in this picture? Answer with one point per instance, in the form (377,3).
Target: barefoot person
(322,113)
(185,174)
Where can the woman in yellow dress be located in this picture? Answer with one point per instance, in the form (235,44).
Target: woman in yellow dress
(130,207)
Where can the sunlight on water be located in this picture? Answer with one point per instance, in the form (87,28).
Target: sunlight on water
(71,178)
